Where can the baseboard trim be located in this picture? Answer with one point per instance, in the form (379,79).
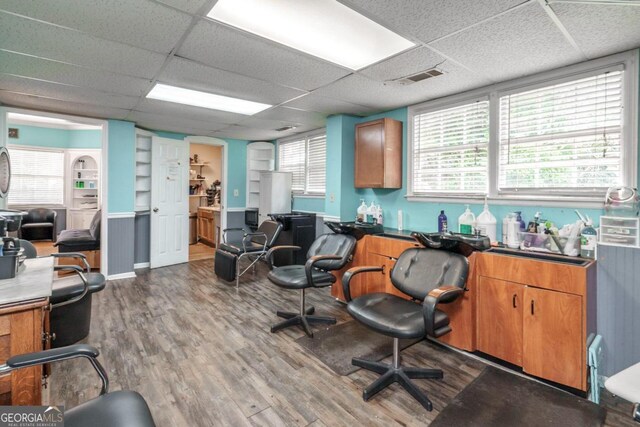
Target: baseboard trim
(141,265)
(119,276)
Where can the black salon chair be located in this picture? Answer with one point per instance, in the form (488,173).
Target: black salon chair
(430,277)
(38,224)
(253,246)
(328,252)
(80,240)
(71,297)
(115,409)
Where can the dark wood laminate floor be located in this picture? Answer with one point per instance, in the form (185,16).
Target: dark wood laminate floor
(201,353)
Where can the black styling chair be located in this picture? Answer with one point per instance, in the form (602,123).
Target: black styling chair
(430,277)
(71,297)
(115,409)
(38,224)
(252,245)
(327,253)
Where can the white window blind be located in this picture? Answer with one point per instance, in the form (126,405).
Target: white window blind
(37,177)
(564,138)
(450,150)
(306,159)
(317,164)
(291,158)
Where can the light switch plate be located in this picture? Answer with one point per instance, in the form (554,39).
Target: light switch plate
(236,193)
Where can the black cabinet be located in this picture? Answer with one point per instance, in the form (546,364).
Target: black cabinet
(298,229)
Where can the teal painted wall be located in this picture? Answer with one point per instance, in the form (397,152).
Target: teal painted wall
(237,173)
(309,204)
(36,136)
(121,166)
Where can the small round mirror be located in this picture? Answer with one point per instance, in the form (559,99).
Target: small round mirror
(5,172)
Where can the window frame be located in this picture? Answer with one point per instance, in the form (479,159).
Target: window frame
(62,151)
(628,60)
(306,137)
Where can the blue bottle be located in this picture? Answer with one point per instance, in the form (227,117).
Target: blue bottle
(442,222)
(523,226)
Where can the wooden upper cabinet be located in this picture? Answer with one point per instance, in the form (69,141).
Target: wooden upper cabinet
(378,156)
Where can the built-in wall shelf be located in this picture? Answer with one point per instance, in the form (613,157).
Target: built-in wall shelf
(143,172)
(260,158)
(83,191)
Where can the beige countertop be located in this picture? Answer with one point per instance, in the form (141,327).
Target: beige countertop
(33,281)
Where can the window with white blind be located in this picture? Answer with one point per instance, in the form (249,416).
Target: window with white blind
(306,159)
(563,135)
(450,149)
(563,138)
(37,177)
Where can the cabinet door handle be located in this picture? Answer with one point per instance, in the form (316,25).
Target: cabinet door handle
(514,300)
(533,308)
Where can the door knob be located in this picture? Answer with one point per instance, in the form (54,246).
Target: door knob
(155,209)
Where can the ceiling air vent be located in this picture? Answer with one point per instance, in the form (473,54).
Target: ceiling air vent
(285,128)
(423,75)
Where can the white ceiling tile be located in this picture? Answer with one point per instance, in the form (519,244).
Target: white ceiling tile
(405,64)
(52,71)
(141,23)
(168,122)
(314,102)
(63,107)
(362,90)
(63,92)
(189,74)
(429,20)
(293,115)
(233,50)
(599,29)
(190,6)
(172,109)
(47,41)
(522,42)
(242,132)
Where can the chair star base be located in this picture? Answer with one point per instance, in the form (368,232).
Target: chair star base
(303,319)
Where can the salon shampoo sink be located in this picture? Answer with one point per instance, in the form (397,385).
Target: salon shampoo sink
(464,244)
(563,259)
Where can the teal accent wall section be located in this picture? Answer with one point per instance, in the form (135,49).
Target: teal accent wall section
(36,136)
(309,204)
(237,173)
(121,167)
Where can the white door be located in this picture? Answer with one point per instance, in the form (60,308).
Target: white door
(169,202)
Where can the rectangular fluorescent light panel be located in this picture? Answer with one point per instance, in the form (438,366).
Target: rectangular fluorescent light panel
(197,98)
(20,118)
(323,28)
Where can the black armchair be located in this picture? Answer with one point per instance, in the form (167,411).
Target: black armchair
(431,277)
(327,253)
(77,240)
(251,245)
(71,297)
(38,224)
(115,409)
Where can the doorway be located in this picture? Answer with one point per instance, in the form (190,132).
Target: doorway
(59,178)
(207,196)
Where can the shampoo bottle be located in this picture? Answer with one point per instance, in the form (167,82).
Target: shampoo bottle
(379,215)
(361,212)
(465,221)
(372,213)
(588,240)
(487,223)
(442,222)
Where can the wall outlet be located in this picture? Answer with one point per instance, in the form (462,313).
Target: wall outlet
(332,198)
(236,192)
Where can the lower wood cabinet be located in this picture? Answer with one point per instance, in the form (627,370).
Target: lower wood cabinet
(539,319)
(207,227)
(499,311)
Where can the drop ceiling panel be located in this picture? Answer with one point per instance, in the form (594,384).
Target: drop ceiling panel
(601,29)
(241,132)
(64,107)
(235,51)
(314,102)
(63,92)
(48,41)
(265,124)
(293,115)
(52,71)
(189,74)
(141,23)
(429,20)
(405,64)
(521,42)
(190,6)
(362,90)
(172,109)
(170,122)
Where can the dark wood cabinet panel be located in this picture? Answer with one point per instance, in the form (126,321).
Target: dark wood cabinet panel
(378,154)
